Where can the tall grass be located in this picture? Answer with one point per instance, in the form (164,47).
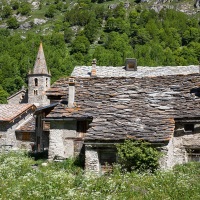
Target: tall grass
(23,178)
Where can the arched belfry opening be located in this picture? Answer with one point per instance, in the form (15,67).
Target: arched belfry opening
(36,81)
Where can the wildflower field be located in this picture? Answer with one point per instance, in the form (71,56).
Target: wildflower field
(23,178)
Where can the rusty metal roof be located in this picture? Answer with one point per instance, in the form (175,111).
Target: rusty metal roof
(9,112)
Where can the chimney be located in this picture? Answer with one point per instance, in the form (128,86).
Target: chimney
(71,94)
(131,64)
(94,70)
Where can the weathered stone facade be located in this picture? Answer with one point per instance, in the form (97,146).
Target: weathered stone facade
(7,131)
(39,80)
(184,142)
(62,139)
(19,97)
(36,92)
(137,108)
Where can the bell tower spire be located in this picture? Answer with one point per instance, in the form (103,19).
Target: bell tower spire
(39,80)
(40,66)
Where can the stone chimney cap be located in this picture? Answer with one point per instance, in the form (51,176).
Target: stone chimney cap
(71,80)
(94,71)
(131,64)
(94,61)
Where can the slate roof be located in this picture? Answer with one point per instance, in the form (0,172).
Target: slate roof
(27,126)
(140,108)
(9,112)
(110,71)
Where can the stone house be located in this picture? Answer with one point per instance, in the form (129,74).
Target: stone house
(11,118)
(17,120)
(101,107)
(88,113)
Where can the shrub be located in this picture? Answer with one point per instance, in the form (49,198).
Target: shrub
(138,155)
(12,23)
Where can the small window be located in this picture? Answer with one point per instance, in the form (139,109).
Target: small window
(35,92)
(26,136)
(194,155)
(46,82)
(189,127)
(36,82)
(82,126)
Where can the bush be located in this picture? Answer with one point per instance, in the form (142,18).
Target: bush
(12,23)
(138,155)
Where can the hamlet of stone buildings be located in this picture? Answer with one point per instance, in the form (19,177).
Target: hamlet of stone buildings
(88,113)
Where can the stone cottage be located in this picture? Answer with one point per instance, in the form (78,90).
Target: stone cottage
(102,106)
(17,120)
(11,118)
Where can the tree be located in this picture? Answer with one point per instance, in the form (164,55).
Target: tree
(80,44)
(3,95)
(138,155)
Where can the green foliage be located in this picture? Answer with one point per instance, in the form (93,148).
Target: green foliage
(6,12)
(138,155)
(88,29)
(51,11)
(12,23)
(25,8)
(3,95)
(23,178)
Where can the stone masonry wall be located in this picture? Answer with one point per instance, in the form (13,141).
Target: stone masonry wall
(43,85)
(7,130)
(61,139)
(91,160)
(176,150)
(21,97)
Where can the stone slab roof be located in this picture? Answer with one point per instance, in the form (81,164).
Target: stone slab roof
(9,112)
(110,71)
(140,108)
(27,126)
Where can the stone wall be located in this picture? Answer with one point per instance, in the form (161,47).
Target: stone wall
(91,160)
(22,144)
(36,94)
(20,97)
(62,139)
(7,130)
(178,148)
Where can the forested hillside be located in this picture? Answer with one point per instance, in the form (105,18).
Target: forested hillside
(75,32)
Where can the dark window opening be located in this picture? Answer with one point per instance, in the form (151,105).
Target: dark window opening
(82,126)
(35,92)
(107,158)
(189,127)
(36,82)
(26,136)
(46,82)
(194,155)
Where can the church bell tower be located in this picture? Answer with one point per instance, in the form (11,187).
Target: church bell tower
(39,81)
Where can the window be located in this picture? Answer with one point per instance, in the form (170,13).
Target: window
(194,155)
(36,81)
(46,82)
(189,127)
(107,158)
(35,92)
(82,126)
(26,136)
